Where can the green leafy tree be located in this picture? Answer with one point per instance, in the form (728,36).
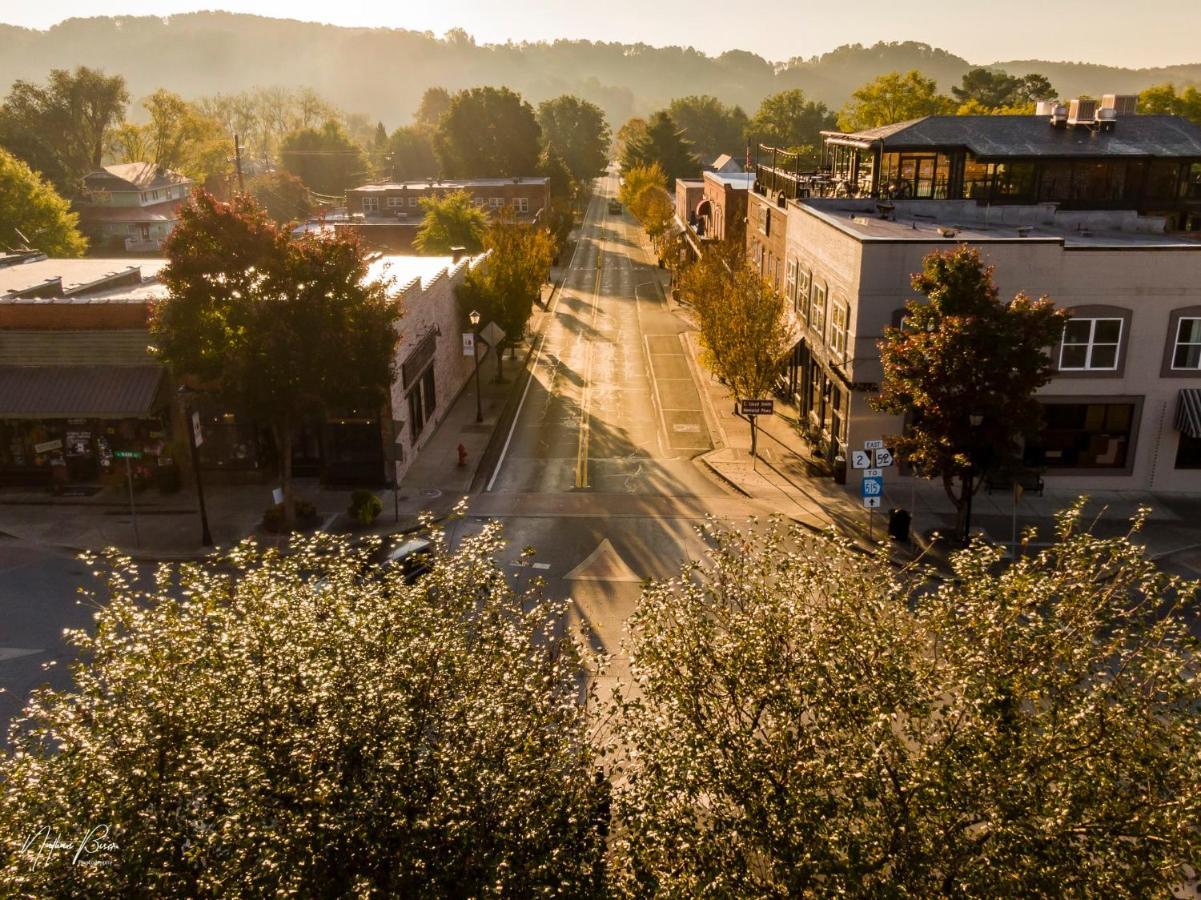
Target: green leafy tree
(294,728)
(893,98)
(177,137)
(452,220)
(1165,100)
(652,206)
(32,208)
(964,355)
(325,159)
(806,722)
(634,129)
(282,196)
(559,178)
(284,329)
(61,128)
(994,89)
(709,125)
(637,178)
(663,143)
(434,104)
(411,154)
(577,132)
(790,121)
(488,132)
(505,285)
(743,323)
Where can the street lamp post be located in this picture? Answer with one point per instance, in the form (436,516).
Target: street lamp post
(975,420)
(474,316)
(185,395)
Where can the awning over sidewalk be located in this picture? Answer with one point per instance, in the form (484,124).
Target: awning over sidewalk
(84,392)
(1188,412)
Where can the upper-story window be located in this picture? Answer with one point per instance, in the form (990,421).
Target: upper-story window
(802,294)
(1186,354)
(496,202)
(1090,345)
(839,316)
(370,204)
(817,309)
(413,201)
(394,202)
(790,272)
(521,204)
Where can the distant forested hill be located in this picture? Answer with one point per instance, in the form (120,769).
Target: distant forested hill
(383,72)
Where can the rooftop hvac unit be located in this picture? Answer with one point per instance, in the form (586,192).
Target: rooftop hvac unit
(1059,115)
(1045,107)
(1121,104)
(1082,112)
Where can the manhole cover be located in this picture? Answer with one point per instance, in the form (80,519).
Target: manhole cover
(431,492)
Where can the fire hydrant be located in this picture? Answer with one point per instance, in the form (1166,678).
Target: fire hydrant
(462,455)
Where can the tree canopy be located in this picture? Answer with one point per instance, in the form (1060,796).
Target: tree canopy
(34,209)
(806,721)
(1165,100)
(791,121)
(894,97)
(994,89)
(282,196)
(177,137)
(577,132)
(710,126)
(411,154)
(488,132)
(452,220)
(61,128)
(325,159)
(965,354)
(297,724)
(661,142)
(281,328)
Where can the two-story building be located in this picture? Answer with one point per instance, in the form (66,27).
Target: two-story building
(131,207)
(1101,216)
(721,213)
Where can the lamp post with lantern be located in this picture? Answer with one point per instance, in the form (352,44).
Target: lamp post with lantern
(474,316)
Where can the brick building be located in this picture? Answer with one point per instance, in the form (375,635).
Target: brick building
(721,213)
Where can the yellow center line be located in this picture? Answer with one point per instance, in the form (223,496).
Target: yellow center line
(581,462)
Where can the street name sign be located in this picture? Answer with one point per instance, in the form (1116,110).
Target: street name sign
(758,407)
(127,454)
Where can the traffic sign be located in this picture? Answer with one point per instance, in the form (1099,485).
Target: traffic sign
(883,458)
(492,334)
(127,454)
(468,344)
(871,502)
(873,445)
(861,459)
(872,487)
(873,473)
(758,407)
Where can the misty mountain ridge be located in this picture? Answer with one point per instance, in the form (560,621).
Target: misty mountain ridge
(383,72)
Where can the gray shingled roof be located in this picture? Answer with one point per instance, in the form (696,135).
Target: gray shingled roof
(102,392)
(1018,136)
(142,176)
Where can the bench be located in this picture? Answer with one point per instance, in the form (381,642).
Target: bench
(1031,482)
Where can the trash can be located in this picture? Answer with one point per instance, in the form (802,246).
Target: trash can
(840,469)
(898,525)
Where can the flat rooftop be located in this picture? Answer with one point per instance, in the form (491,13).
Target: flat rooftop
(452,183)
(861,220)
(81,280)
(740,181)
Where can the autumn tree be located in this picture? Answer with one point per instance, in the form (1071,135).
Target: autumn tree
(61,128)
(577,132)
(632,130)
(664,143)
(504,286)
(803,721)
(790,121)
(892,98)
(652,206)
(33,212)
(711,127)
(325,158)
(282,328)
(963,370)
(637,178)
(452,220)
(488,132)
(177,137)
(742,321)
(306,724)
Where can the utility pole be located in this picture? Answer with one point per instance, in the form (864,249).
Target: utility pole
(238,163)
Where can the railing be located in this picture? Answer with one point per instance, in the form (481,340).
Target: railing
(771,182)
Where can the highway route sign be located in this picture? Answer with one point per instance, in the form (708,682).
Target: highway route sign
(873,445)
(873,473)
(861,459)
(883,458)
(872,487)
(871,502)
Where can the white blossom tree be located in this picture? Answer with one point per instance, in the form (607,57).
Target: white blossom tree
(285,725)
(806,721)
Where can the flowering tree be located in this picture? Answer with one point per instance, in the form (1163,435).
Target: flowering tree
(805,721)
(964,370)
(295,725)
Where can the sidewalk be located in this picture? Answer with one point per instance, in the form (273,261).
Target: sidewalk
(169,524)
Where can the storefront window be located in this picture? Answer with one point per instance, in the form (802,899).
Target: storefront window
(1083,436)
(1188,453)
(977,179)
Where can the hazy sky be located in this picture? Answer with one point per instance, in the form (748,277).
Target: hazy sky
(1146,33)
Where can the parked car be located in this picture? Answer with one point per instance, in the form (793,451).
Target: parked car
(412,557)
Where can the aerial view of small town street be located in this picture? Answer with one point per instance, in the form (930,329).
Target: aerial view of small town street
(463,452)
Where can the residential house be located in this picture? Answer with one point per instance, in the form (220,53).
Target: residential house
(1099,215)
(725,165)
(131,207)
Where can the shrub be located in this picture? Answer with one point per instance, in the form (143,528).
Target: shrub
(365,507)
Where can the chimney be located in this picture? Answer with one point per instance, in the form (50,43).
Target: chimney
(457,253)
